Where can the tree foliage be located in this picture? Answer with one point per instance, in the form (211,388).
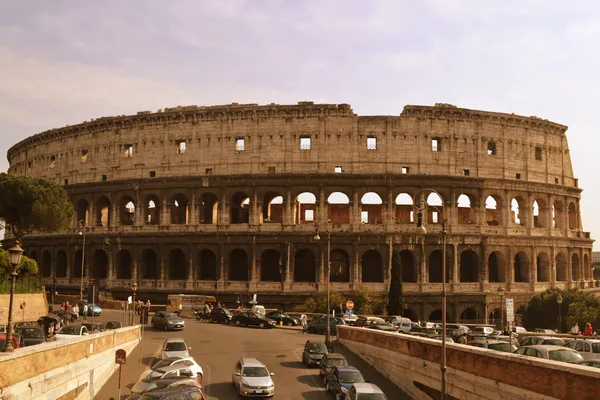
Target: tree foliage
(365,302)
(27,266)
(395,295)
(28,204)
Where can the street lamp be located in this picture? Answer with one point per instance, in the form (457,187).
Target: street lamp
(422,231)
(559,300)
(15,253)
(82,233)
(501,294)
(133,289)
(328,316)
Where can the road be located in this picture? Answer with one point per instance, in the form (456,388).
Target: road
(217,348)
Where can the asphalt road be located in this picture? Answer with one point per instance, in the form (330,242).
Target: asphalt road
(217,347)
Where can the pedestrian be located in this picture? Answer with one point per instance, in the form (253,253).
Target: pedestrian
(463,339)
(85,311)
(303,322)
(588,329)
(68,313)
(74,312)
(575,329)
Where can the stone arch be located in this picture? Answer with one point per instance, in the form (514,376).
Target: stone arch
(305,208)
(406,260)
(469,314)
(540,213)
(270,266)
(177,265)
(572,216)
(410,314)
(127,210)
(340,266)
(587,268)
(46,269)
(575,267)
(543,267)
(240,208)
(465,213)
(496,267)
(83,208)
(238,266)
(207,265)
(558,215)
(495,316)
(469,266)
(521,267)
(61,264)
(272,208)
(435,208)
(305,268)
(209,209)
(103,212)
(76,267)
(371,209)
(493,210)
(404,209)
(124,264)
(338,208)
(179,206)
(435,266)
(99,265)
(372,266)
(151,210)
(561,267)
(149,264)
(436,316)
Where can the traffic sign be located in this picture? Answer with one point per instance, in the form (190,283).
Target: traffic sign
(510,310)
(120,357)
(350,304)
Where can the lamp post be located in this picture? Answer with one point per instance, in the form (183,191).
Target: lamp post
(328,316)
(133,289)
(15,254)
(82,233)
(501,294)
(559,300)
(422,231)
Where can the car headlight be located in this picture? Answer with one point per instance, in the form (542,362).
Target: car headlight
(245,387)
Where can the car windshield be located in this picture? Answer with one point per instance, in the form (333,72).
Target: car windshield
(171,315)
(351,377)
(565,355)
(164,363)
(317,348)
(70,330)
(339,362)
(31,333)
(175,346)
(555,342)
(595,347)
(371,396)
(155,375)
(502,347)
(254,372)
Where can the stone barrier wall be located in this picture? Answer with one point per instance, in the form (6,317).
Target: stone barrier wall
(26,307)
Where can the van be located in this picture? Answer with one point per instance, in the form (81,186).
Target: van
(258,310)
(402,323)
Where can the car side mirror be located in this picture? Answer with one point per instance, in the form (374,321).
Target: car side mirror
(238,374)
(272,373)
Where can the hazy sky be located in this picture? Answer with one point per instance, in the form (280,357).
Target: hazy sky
(65,62)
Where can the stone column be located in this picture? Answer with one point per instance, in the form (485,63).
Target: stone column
(253,271)
(139,214)
(191,275)
(455,266)
(193,210)
(356,275)
(423,263)
(570,266)
(114,217)
(164,217)
(566,216)
(134,267)
(509,275)
(553,266)
(287,272)
(224,216)
(483,270)
(322,211)
(322,278)
(287,216)
(92,221)
(222,272)
(111,262)
(390,218)
(355,209)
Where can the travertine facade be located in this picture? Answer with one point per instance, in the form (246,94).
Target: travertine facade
(227,200)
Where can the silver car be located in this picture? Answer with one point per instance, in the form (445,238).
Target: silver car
(168,321)
(550,352)
(175,347)
(588,348)
(252,378)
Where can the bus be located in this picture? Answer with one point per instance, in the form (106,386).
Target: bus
(189,303)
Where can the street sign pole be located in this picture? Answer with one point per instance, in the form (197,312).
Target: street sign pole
(120,359)
(119,393)
(510,318)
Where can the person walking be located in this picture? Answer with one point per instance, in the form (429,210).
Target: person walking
(463,339)
(588,330)
(74,312)
(303,322)
(575,329)
(85,311)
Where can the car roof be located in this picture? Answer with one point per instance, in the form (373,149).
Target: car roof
(157,393)
(174,340)
(171,368)
(586,340)
(251,362)
(364,387)
(347,368)
(335,355)
(548,347)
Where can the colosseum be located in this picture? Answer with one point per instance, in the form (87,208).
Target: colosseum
(240,199)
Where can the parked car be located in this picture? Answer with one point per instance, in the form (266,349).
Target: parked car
(590,363)
(331,360)
(542,340)
(367,320)
(519,329)
(92,308)
(492,344)
(283,318)
(320,325)
(546,331)
(187,362)
(168,321)
(183,392)
(550,352)
(95,327)
(314,352)
(482,330)
(350,319)
(15,341)
(439,337)
(33,335)
(252,378)
(339,379)
(363,390)
(220,315)
(113,325)
(252,319)
(401,323)
(588,348)
(71,332)
(383,327)
(175,347)
(146,385)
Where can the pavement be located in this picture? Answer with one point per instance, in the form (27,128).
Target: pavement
(218,347)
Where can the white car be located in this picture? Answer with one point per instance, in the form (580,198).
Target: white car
(188,362)
(175,347)
(369,390)
(252,378)
(588,348)
(71,332)
(550,352)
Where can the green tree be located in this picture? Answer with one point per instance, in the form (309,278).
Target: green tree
(27,266)
(395,295)
(28,204)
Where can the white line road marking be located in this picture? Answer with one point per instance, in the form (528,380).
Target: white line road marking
(324,394)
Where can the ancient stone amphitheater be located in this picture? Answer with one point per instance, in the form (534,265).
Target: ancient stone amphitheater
(228,200)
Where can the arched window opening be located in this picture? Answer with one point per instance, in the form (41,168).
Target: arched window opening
(496,267)
(270,266)
(572,216)
(238,266)
(61,264)
(46,269)
(406,262)
(209,209)
(340,266)
(435,266)
(542,268)
(561,267)
(76,267)
(149,265)
(469,316)
(435,208)
(575,268)
(179,210)
(177,265)
(404,209)
(207,265)
(466,216)
(493,211)
(126,211)
(469,266)
(103,212)
(371,209)
(83,212)
(515,208)
(372,266)
(305,208)
(436,316)
(272,209)
(152,210)
(558,215)
(99,265)
(411,314)
(338,208)
(305,267)
(123,264)
(521,267)
(240,208)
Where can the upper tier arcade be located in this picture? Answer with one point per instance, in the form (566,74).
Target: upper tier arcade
(304,138)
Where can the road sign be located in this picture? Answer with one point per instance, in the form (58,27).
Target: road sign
(129,300)
(120,357)
(510,310)
(350,304)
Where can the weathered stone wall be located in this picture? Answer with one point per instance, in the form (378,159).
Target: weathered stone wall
(26,307)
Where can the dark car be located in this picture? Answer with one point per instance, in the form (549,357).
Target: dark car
(220,315)
(339,379)
(320,326)
(32,335)
(383,327)
(281,317)
(168,321)
(183,392)
(113,325)
(331,360)
(252,319)
(95,327)
(314,352)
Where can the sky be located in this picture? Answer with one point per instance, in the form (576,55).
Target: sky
(65,62)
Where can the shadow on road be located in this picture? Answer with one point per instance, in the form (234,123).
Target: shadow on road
(222,390)
(292,364)
(314,395)
(309,380)
(149,360)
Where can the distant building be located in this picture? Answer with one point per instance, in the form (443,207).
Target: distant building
(595,257)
